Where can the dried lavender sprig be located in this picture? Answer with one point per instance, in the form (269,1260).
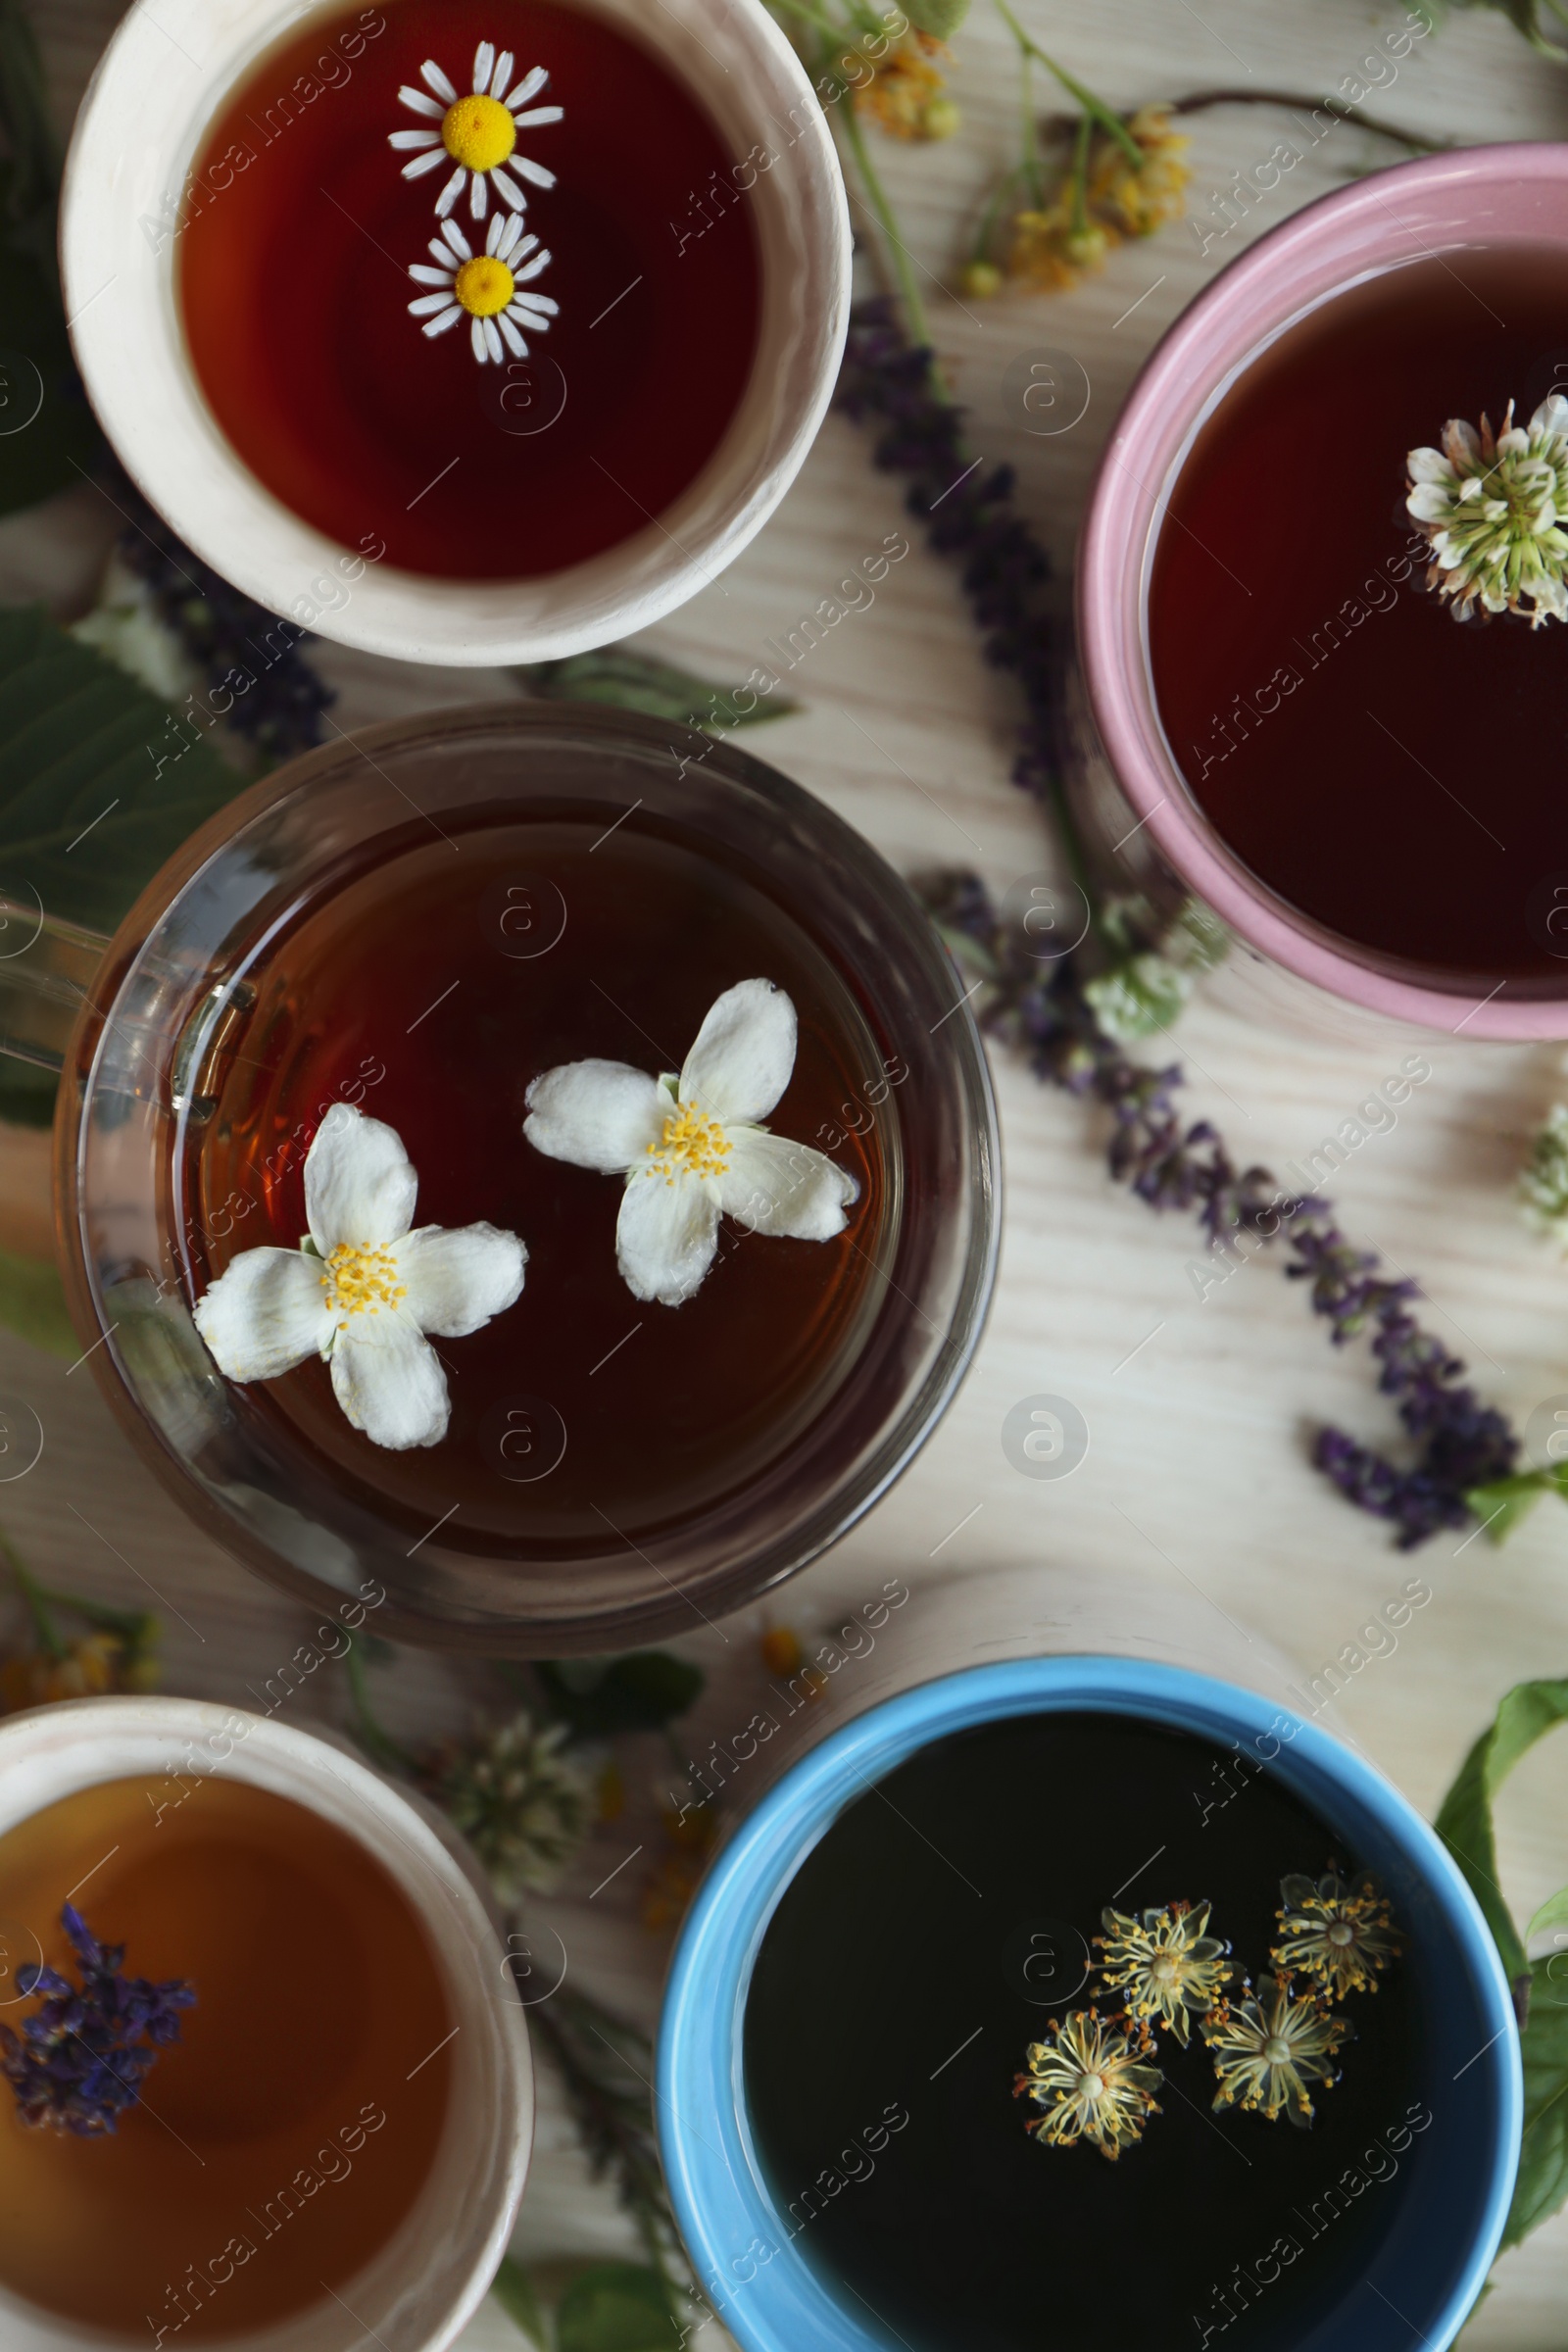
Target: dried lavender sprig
(1464,1444)
(245,655)
(80,2061)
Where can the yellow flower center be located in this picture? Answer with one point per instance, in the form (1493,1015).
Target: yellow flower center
(692,1143)
(1277,2050)
(1092,2087)
(361,1281)
(1165,1968)
(478,133)
(484,286)
(1342,1932)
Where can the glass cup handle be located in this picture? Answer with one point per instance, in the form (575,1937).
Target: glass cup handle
(47,969)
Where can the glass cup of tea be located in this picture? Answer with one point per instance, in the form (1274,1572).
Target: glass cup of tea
(468,331)
(402,936)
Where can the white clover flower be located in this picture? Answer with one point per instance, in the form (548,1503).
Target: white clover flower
(361,1288)
(690,1147)
(1493,508)
(485,288)
(479,131)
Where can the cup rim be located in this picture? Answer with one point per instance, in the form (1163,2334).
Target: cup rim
(1287,271)
(129,346)
(878,881)
(373,1800)
(717,2192)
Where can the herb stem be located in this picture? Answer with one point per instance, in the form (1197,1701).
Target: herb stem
(898,257)
(33,1593)
(1095,108)
(371,1732)
(1198,102)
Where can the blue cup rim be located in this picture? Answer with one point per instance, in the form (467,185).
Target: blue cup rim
(772,2300)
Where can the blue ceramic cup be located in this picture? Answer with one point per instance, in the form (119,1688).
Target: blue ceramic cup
(1424,2274)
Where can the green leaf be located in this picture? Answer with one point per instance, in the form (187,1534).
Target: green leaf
(33,1306)
(100,782)
(1553,1913)
(636,682)
(1464,1820)
(940,19)
(48,433)
(616,2307)
(641,1692)
(1136,999)
(513,2291)
(1507,1501)
(1542,2183)
(26,1095)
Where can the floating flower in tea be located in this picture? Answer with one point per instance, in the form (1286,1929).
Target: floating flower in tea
(1094,2082)
(80,2061)
(1341,1936)
(479,131)
(690,1147)
(1269,2045)
(362,1289)
(1492,505)
(1166,1964)
(484,288)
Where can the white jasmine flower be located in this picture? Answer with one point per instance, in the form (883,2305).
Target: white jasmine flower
(484,287)
(690,1147)
(362,1289)
(1493,508)
(478,132)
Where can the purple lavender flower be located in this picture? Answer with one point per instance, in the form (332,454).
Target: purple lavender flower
(1462,1445)
(79,2062)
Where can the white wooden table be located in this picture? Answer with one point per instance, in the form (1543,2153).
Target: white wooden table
(1197,1468)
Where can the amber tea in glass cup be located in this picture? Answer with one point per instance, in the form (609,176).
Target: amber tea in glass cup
(419,925)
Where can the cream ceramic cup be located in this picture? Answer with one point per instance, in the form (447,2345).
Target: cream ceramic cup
(423,2286)
(160,85)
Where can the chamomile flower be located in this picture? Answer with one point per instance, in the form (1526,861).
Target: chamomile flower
(1165,1964)
(477,133)
(485,288)
(1093,2081)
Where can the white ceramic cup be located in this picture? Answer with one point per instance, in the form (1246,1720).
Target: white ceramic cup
(423,2286)
(159,87)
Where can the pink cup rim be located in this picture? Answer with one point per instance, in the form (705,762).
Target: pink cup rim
(1474,196)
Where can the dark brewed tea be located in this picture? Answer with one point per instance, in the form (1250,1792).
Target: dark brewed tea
(1393,773)
(282,2142)
(928,1939)
(299,236)
(431,991)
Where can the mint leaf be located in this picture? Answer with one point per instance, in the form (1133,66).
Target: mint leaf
(641,1692)
(100,782)
(1542,2183)
(632,681)
(616,2307)
(1507,1501)
(513,2291)
(32,1304)
(1553,1913)
(1464,1820)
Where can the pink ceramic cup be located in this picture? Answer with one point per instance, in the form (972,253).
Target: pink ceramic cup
(1443,203)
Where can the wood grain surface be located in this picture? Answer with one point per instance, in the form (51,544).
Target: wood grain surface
(1198,1410)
